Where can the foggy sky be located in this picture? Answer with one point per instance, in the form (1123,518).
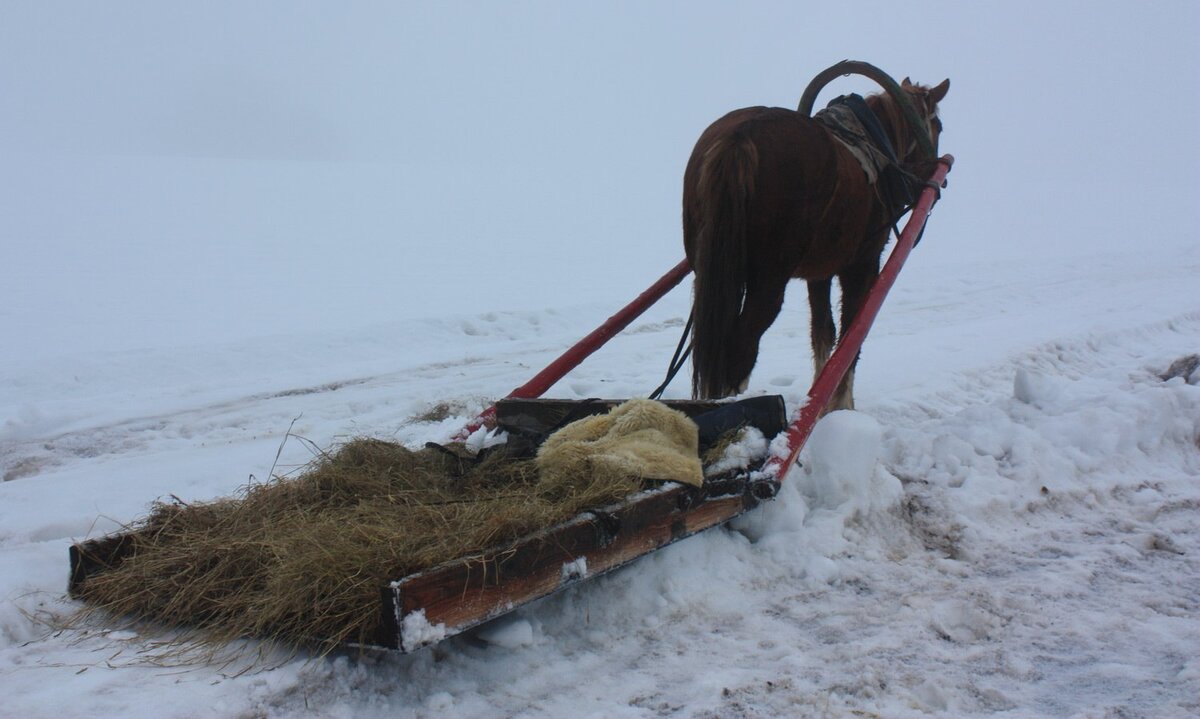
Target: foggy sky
(179,172)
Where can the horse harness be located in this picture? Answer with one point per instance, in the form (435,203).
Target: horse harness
(852,123)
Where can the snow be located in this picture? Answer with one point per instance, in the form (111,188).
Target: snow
(418,632)
(228,243)
(843,465)
(749,449)
(575,569)
(1016,536)
(507,632)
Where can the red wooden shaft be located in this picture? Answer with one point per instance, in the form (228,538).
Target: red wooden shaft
(851,342)
(572,358)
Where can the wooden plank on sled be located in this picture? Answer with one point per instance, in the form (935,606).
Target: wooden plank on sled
(448,599)
(541,416)
(96,555)
(429,606)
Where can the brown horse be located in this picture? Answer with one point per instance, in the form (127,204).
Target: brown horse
(770,194)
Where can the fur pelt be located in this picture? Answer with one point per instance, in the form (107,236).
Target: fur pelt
(639,438)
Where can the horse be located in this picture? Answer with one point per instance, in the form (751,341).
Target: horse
(770,194)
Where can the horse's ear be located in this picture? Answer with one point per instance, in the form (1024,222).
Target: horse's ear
(939,92)
(906,82)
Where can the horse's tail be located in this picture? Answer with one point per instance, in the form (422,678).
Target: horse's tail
(724,188)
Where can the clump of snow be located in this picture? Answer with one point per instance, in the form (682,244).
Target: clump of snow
(1187,368)
(495,438)
(440,702)
(416,631)
(779,448)
(1033,388)
(575,569)
(483,438)
(784,515)
(842,468)
(961,621)
(15,627)
(825,503)
(507,632)
(747,450)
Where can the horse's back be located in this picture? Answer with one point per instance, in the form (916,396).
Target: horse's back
(803,196)
(769,128)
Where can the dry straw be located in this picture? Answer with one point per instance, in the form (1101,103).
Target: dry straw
(294,560)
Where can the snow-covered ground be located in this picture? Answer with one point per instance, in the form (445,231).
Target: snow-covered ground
(1008,524)
(222,222)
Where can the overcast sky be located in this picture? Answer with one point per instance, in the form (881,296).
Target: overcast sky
(231,167)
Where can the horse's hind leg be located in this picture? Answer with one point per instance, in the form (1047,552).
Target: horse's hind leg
(823,331)
(856,283)
(764,300)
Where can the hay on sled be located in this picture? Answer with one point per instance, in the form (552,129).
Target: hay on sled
(293,560)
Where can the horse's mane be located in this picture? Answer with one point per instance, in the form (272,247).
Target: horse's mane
(894,121)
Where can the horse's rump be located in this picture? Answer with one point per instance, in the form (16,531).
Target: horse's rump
(761,190)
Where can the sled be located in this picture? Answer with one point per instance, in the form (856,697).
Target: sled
(429,606)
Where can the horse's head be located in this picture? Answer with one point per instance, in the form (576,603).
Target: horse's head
(904,124)
(926,100)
